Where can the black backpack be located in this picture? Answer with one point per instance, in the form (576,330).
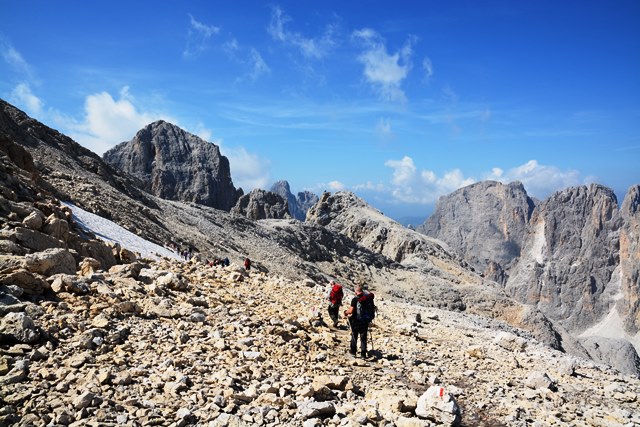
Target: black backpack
(366,309)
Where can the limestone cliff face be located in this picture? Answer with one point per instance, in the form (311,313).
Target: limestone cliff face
(260,204)
(176,165)
(298,205)
(485,223)
(629,305)
(570,255)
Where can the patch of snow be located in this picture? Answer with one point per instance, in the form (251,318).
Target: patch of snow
(109,231)
(612,327)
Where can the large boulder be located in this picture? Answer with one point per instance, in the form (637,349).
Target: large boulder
(35,240)
(25,280)
(438,405)
(18,327)
(51,261)
(618,353)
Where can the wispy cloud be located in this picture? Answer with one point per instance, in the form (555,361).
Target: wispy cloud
(383,129)
(248,170)
(23,97)
(427,66)
(15,59)
(198,37)
(384,71)
(309,47)
(258,65)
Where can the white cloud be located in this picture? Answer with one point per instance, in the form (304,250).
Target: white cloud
(404,170)
(198,37)
(23,97)
(205,133)
(248,170)
(315,48)
(15,59)
(336,186)
(384,71)
(108,121)
(410,185)
(539,180)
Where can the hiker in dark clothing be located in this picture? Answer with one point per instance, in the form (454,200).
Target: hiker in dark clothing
(247,264)
(360,313)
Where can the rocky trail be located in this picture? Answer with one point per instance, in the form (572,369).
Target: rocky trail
(174,343)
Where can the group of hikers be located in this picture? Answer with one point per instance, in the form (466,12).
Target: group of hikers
(360,313)
(224,262)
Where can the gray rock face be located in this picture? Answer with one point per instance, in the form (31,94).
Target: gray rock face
(485,223)
(616,352)
(176,165)
(570,255)
(298,206)
(260,204)
(629,305)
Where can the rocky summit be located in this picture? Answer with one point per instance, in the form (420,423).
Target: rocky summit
(176,165)
(92,333)
(298,205)
(485,222)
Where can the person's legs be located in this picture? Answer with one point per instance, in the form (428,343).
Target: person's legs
(354,338)
(333,313)
(363,340)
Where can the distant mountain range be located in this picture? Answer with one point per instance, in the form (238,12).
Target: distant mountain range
(564,269)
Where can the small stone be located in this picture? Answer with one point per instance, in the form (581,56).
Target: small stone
(84,400)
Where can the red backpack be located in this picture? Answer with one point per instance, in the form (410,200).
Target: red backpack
(336,294)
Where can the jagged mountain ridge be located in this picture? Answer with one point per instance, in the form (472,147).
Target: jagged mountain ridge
(176,165)
(435,277)
(575,259)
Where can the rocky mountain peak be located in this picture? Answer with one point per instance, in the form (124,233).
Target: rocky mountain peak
(176,165)
(570,256)
(629,305)
(260,204)
(298,205)
(484,222)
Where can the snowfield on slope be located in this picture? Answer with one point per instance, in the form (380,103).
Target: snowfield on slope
(109,231)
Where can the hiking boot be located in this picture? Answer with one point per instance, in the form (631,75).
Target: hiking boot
(364,355)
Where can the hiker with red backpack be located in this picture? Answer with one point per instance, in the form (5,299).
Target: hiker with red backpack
(360,314)
(335,301)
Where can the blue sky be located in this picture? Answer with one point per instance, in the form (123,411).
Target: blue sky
(400,102)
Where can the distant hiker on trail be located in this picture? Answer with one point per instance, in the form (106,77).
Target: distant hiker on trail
(360,314)
(335,301)
(247,264)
